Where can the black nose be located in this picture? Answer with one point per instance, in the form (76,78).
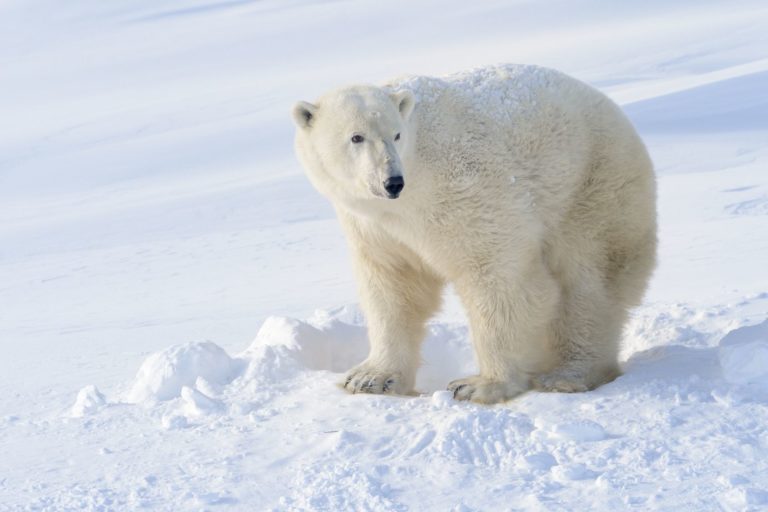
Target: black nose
(394,186)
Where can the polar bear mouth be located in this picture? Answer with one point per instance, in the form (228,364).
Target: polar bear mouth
(380,194)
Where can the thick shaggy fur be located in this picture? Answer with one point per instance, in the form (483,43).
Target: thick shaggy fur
(526,189)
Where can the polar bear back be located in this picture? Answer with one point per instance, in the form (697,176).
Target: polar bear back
(496,91)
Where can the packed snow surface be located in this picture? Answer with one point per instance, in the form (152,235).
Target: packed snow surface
(178,304)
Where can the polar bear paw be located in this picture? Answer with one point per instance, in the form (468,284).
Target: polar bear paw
(369,379)
(561,382)
(484,390)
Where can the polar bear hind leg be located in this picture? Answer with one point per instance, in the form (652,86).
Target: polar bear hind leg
(603,273)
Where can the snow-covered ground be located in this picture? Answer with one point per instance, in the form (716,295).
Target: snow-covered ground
(177,305)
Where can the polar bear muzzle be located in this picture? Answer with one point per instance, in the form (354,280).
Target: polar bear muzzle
(394,186)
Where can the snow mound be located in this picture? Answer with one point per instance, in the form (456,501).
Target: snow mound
(89,400)
(743,355)
(164,374)
(282,347)
(326,343)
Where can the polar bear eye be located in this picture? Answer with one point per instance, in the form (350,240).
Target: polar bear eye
(397,136)
(357,139)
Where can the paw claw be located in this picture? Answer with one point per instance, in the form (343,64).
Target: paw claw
(483,390)
(368,379)
(457,389)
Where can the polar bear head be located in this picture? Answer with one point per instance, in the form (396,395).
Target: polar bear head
(352,142)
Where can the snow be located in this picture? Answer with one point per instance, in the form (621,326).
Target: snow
(743,355)
(168,373)
(89,401)
(501,89)
(178,304)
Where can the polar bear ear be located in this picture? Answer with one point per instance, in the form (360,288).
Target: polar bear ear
(304,114)
(404,101)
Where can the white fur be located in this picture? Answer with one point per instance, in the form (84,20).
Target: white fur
(527,190)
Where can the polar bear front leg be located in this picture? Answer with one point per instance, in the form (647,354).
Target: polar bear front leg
(510,311)
(398,296)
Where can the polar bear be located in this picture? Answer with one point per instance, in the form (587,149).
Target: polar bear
(527,190)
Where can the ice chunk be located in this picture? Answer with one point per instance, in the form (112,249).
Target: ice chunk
(88,401)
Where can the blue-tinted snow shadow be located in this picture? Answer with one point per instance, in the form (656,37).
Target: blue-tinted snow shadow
(671,363)
(736,366)
(736,104)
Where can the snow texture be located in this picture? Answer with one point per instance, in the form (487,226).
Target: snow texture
(151,200)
